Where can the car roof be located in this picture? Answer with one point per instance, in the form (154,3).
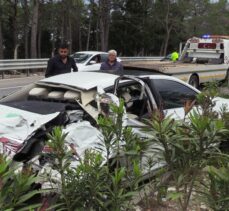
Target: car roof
(82,80)
(89,80)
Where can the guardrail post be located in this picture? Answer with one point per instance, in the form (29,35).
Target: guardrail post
(3,76)
(27,72)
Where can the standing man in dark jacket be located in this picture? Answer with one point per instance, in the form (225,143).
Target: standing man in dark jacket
(112,65)
(61,63)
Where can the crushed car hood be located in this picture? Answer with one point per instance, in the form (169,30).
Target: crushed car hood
(19,124)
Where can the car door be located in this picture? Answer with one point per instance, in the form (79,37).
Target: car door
(138,99)
(94,63)
(144,102)
(173,96)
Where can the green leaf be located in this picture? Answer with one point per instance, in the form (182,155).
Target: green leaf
(174,195)
(30,207)
(29,195)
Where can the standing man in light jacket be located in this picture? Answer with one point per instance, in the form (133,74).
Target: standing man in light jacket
(112,65)
(61,63)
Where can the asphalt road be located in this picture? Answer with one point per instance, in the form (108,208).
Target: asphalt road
(11,85)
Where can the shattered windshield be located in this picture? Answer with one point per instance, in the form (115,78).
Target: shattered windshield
(81,57)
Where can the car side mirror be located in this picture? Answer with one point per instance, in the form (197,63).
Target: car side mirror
(92,62)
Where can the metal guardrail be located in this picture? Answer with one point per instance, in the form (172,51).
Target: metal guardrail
(22,64)
(29,64)
(141,58)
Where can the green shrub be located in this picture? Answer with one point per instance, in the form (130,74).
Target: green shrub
(16,187)
(93,185)
(186,147)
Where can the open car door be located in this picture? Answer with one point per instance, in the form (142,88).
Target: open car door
(138,99)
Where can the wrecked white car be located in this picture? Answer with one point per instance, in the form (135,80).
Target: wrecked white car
(69,100)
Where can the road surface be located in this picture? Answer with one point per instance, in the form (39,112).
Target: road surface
(11,85)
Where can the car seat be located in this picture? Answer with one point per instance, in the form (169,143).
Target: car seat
(71,95)
(56,95)
(38,92)
(127,100)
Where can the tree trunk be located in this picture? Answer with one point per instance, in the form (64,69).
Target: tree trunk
(39,43)
(14,22)
(92,2)
(77,27)
(16,51)
(1,41)
(97,35)
(80,39)
(168,29)
(70,35)
(88,34)
(62,31)
(70,40)
(162,48)
(167,40)
(104,10)
(34,28)
(26,28)
(26,44)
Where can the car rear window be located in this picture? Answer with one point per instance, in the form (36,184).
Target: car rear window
(172,93)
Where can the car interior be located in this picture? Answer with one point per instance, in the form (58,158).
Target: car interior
(96,59)
(137,106)
(43,93)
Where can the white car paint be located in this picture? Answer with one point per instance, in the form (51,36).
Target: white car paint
(87,65)
(17,125)
(21,123)
(179,113)
(82,80)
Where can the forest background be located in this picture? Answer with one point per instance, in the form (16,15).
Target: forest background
(34,28)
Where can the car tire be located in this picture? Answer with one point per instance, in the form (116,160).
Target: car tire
(194,81)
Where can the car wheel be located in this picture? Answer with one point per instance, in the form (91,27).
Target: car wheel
(194,81)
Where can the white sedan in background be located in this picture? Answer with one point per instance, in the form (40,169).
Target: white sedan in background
(90,60)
